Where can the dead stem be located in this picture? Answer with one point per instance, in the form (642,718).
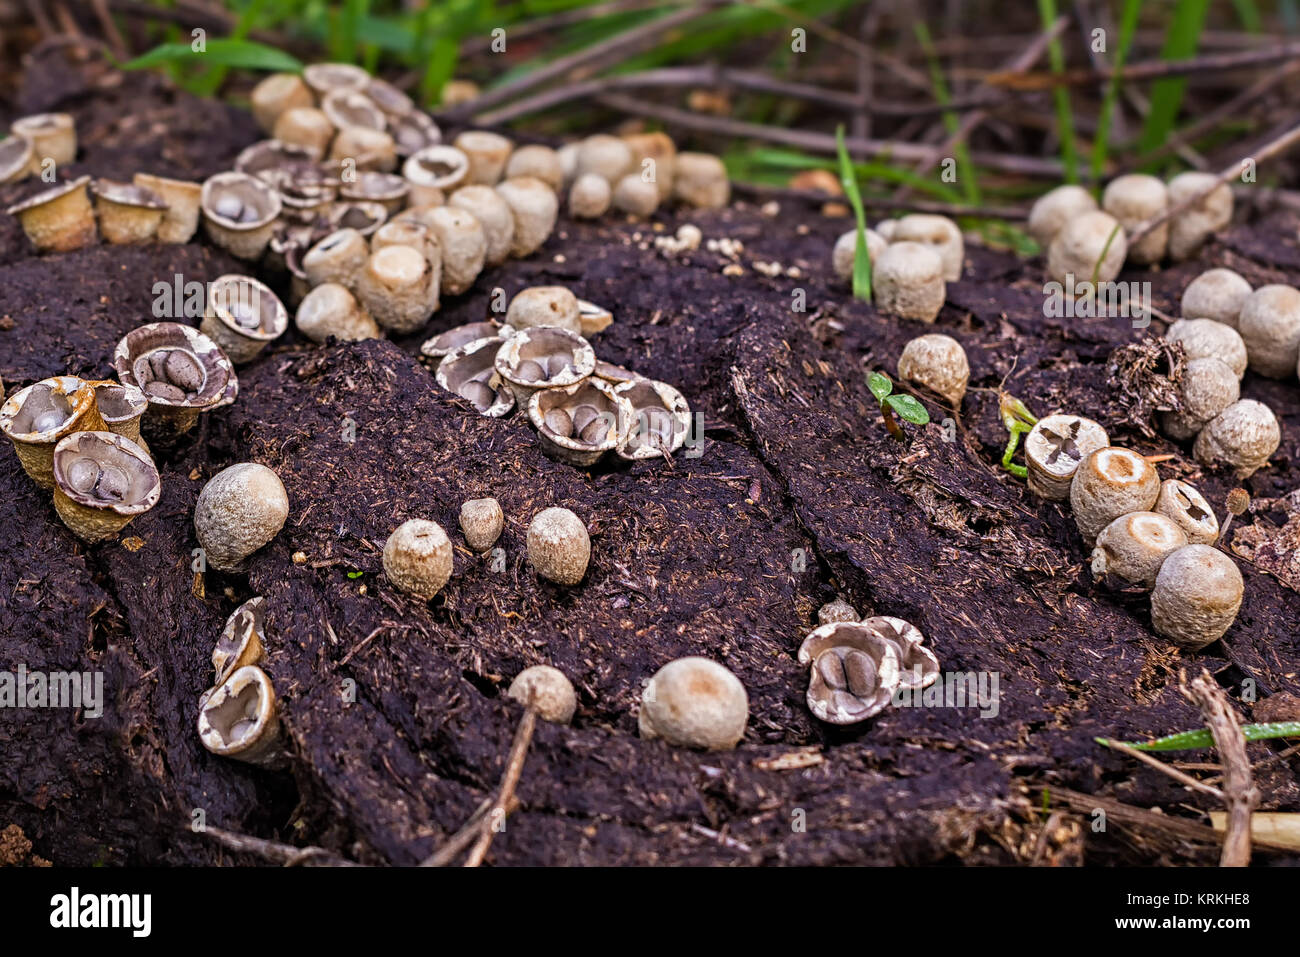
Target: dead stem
(1239,791)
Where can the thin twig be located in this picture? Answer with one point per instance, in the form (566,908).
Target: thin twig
(1239,791)
(1149,70)
(621,44)
(285,854)
(1166,769)
(1278,145)
(467,835)
(514,768)
(822,142)
(114,37)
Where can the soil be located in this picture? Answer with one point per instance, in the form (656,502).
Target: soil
(395,714)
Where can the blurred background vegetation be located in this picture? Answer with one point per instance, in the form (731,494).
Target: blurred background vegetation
(971,105)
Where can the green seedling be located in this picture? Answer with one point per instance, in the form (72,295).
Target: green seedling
(1019,421)
(355,574)
(1202,738)
(861,257)
(891,404)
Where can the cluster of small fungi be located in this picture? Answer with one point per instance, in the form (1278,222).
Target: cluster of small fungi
(540,360)
(912,259)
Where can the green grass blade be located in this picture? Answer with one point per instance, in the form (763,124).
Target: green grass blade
(1182,40)
(1101,145)
(222,52)
(1202,738)
(861,255)
(1061,95)
(965,171)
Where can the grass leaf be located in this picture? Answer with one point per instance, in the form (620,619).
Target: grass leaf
(222,51)
(861,255)
(1182,40)
(908,409)
(1061,94)
(1101,144)
(1202,738)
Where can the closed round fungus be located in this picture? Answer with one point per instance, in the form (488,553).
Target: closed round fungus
(1091,243)
(939,363)
(1241,437)
(1109,483)
(330,310)
(1207,339)
(1270,327)
(417,558)
(846,250)
(1133,199)
(1134,546)
(1216,294)
(1197,595)
(908,281)
(539,306)
(1055,208)
(590,196)
(939,233)
(240,509)
(547,691)
(534,207)
(1207,388)
(1189,230)
(694,703)
(558,546)
(481,521)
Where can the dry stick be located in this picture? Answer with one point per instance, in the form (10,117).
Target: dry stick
(514,768)
(972,120)
(285,854)
(814,197)
(1240,793)
(1150,70)
(1268,151)
(115,41)
(43,23)
(467,835)
(821,142)
(1163,768)
(692,76)
(1211,120)
(621,44)
(565,18)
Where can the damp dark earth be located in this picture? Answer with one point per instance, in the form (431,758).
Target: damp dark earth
(794,493)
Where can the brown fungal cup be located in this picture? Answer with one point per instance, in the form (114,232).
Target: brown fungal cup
(444,343)
(240,719)
(127,213)
(661,418)
(180,370)
(36,418)
(387,189)
(52,135)
(15,159)
(579,423)
(543,358)
(239,213)
(433,172)
(242,316)
(468,371)
(854,672)
(58,219)
(241,641)
(102,480)
(181,217)
(121,407)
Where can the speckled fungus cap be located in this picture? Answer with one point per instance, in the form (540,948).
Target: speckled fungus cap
(1090,244)
(547,690)
(1197,595)
(481,521)
(418,558)
(1055,208)
(1242,437)
(1132,548)
(239,213)
(240,509)
(694,703)
(1189,510)
(1208,339)
(35,418)
(241,720)
(939,233)
(534,207)
(1054,449)
(243,315)
(937,362)
(545,306)
(127,213)
(1133,199)
(493,213)
(908,281)
(1109,483)
(558,546)
(181,370)
(1216,294)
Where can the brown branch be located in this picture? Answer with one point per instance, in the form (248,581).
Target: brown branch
(1163,768)
(1149,70)
(467,835)
(1239,791)
(619,45)
(514,768)
(285,854)
(823,143)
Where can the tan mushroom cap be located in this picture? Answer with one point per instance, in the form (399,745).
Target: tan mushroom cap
(700,180)
(1134,546)
(937,362)
(1208,339)
(606,156)
(1189,230)
(845,251)
(481,522)
(908,281)
(493,214)
(241,720)
(1133,199)
(339,258)
(331,310)
(1055,447)
(1197,596)
(464,245)
(487,153)
(547,690)
(1269,324)
(694,703)
(1055,208)
(241,642)
(240,509)
(277,93)
(835,611)
(397,288)
(1242,437)
(590,196)
(418,558)
(539,306)
(348,108)
(534,207)
(1189,510)
(1076,254)
(324,78)
(939,233)
(1208,387)
(1111,482)
(1216,294)
(559,548)
(539,161)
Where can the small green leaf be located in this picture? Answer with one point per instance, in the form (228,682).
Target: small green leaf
(355,574)
(880,385)
(242,54)
(908,409)
(861,254)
